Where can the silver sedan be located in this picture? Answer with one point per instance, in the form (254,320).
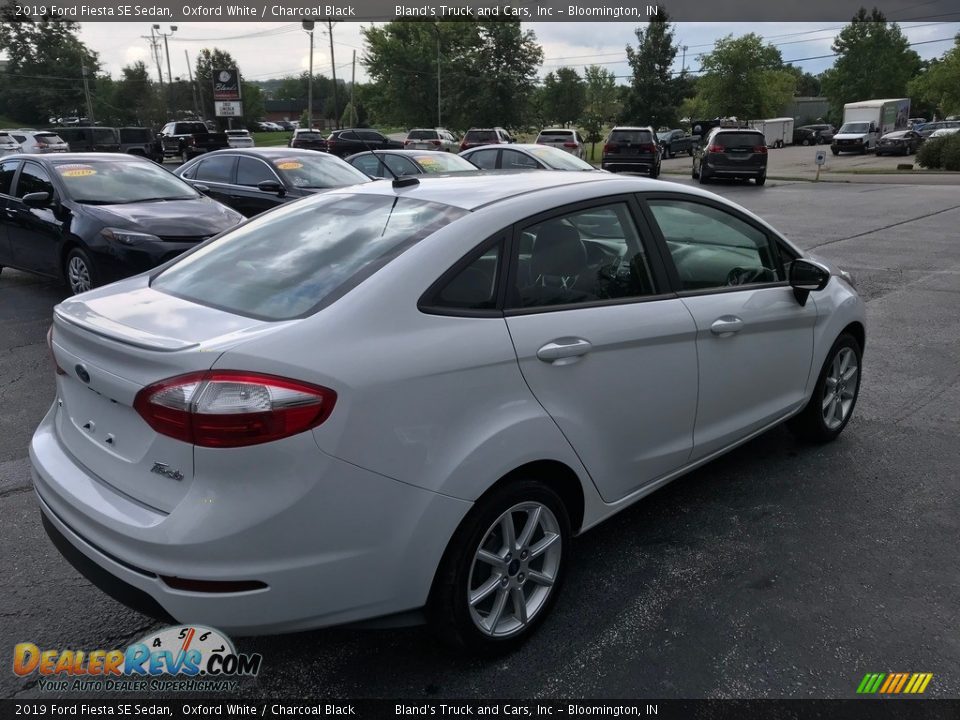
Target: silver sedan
(406,398)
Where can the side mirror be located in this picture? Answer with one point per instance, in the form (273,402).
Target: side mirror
(807,276)
(37,200)
(272,186)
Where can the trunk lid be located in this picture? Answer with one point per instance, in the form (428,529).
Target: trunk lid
(112,343)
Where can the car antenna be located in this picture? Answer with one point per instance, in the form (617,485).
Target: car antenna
(398,180)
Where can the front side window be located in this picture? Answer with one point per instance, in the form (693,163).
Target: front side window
(251,172)
(368,164)
(400,165)
(306,254)
(513,160)
(711,248)
(33,179)
(585,256)
(7,170)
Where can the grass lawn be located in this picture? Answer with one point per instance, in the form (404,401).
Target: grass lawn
(271,139)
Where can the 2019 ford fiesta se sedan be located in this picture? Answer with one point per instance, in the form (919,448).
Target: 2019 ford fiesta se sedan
(396,398)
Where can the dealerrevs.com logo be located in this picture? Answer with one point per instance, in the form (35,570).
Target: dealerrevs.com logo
(183,657)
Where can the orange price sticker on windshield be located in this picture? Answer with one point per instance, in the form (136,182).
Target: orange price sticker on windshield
(289,165)
(72,171)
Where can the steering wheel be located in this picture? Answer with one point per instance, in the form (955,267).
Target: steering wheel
(743,276)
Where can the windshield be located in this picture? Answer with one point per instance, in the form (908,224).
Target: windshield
(288,263)
(105,182)
(856,127)
(48,139)
(664,135)
(318,171)
(556,134)
(631,136)
(443,163)
(558,159)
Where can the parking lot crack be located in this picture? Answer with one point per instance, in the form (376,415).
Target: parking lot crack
(887,227)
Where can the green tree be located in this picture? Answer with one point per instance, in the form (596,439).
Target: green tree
(874,60)
(564,95)
(135,96)
(938,85)
(252,103)
(44,69)
(807,85)
(654,94)
(487,72)
(742,78)
(602,102)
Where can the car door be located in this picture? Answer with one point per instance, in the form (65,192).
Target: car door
(754,339)
(248,199)
(8,170)
(34,234)
(607,352)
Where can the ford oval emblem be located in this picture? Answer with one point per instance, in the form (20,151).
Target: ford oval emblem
(82,373)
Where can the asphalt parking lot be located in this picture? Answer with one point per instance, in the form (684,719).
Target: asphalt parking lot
(780,570)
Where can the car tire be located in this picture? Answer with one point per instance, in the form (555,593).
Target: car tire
(805,142)
(523,602)
(832,403)
(690,152)
(761,180)
(654,172)
(184,157)
(79,271)
(693,172)
(835,152)
(703,176)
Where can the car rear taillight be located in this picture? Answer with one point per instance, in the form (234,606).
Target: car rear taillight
(610,147)
(229,408)
(651,148)
(762,149)
(408,142)
(56,366)
(463,146)
(715,148)
(569,144)
(435,143)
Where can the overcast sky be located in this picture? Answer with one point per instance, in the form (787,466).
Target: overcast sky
(273,50)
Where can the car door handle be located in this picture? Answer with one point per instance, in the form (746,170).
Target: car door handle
(726,326)
(564,349)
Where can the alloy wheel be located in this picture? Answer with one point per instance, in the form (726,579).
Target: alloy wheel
(514,569)
(840,388)
(78,275)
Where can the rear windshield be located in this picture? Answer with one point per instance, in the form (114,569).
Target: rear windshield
(483,136)
(190,128)
(738,139)
(238,133)
(423,135)
(290,262)
(631,136)
(556,134)
(47,139)
(103,135)
(136,135)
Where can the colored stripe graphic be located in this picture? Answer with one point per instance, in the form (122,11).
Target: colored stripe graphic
(894,683)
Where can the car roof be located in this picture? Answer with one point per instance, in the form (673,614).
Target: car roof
(408,153)
(632,127)
(470,191)
(74,157)
(267,152)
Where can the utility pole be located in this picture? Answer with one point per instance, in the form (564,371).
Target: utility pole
(308,29)
(437,28)
(166,46)
(155,51)
(193,88)
(333,70)
(353,83)
(683,64)
(86,92)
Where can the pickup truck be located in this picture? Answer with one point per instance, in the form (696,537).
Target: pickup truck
(353,140)
(185,140)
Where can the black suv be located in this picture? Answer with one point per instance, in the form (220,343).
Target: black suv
(631,148)
(353,140)
(731,153)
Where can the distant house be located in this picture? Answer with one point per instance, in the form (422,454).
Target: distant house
(275,110)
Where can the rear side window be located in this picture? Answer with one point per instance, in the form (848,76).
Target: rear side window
(135,135)
(252,172)
(216,169)
(631,136)
(474,287)
(48,139)
(303,256)
(104,135)
(484,159)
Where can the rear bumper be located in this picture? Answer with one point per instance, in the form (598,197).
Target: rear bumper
(729,170)
(630,165)
(331,542)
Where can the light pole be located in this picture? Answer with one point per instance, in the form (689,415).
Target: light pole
(308,29)
(166,48)
(437,28)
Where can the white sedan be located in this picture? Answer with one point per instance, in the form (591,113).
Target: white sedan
(406,398)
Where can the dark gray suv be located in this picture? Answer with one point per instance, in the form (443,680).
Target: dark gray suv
(633,149)
(731,153)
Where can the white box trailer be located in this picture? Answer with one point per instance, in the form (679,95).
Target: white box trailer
(777,131)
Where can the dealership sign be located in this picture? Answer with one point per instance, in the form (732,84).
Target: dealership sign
(227,108)
(226,84)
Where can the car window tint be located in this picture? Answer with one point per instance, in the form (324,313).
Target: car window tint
(474,287)
(251,171)
(370,135)
(400,165)
(712,248)
(480,136)
(422,135)
(589,255)
(513,160)
(632,137)
(738,140)
(33,179)
(7,170)
(216,169)
(368,164)
(486,159)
